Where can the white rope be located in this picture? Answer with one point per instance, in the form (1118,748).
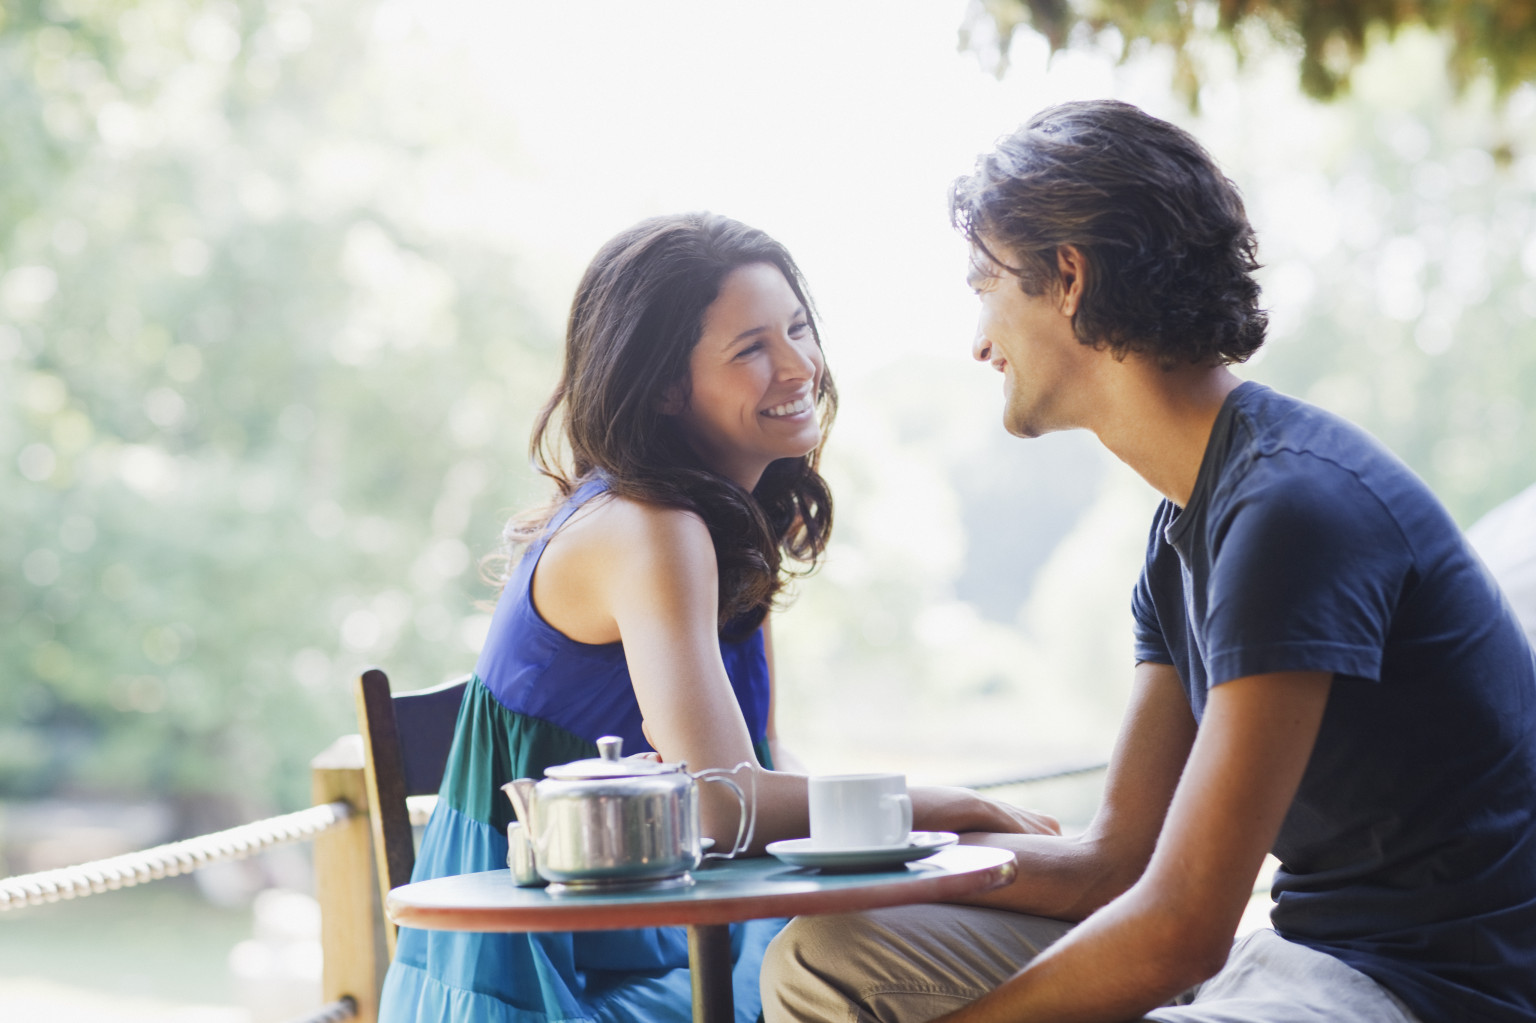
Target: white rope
(420,808)
(342,1009)
(168,860)
(1031,779)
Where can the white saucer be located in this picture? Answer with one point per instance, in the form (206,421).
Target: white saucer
(801,852)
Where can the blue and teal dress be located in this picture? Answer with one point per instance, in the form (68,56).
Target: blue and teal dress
(540,698)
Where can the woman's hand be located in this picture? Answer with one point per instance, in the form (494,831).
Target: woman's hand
(944,808)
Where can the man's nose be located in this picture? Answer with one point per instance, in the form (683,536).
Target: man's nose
(981,348)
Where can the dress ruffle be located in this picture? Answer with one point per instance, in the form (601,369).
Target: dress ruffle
(607,976)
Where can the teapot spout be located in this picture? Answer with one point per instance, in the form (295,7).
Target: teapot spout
(520,792)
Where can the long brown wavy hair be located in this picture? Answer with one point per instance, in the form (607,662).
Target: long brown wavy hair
(636,317)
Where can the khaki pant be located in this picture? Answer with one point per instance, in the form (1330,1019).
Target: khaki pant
(910,964)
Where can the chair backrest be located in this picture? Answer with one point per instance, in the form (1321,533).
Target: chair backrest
(406,739)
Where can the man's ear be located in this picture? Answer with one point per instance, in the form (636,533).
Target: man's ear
(1073,269)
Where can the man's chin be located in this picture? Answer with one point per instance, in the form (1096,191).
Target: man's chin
(1020,427)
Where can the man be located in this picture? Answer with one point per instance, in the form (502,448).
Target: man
(1324,670)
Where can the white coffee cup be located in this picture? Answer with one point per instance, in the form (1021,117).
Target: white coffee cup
(860,811)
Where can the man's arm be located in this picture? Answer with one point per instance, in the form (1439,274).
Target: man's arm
(1174,926)
(1068,878)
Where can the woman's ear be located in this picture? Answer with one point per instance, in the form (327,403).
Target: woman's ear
(673,400)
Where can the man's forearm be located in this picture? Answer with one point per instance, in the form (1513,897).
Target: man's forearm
(1126,960)
(1060,878)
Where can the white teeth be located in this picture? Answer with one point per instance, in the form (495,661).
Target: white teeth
(789,408)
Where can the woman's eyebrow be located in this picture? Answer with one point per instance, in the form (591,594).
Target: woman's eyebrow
(798,314)
(744,335)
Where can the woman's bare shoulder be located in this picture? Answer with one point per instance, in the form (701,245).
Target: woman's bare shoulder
(618,553)
(614,533)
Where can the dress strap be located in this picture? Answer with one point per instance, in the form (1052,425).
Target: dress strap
(580,496)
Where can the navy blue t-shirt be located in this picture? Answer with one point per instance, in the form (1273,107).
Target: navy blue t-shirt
(1410,850)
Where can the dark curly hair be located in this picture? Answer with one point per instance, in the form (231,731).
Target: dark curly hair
(1169,250)
(637,315)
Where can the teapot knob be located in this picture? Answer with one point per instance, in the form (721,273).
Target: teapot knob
(610,747)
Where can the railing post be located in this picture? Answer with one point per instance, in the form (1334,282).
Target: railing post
(351,920)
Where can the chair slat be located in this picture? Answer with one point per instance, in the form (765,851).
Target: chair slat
(425,721)
(406,740)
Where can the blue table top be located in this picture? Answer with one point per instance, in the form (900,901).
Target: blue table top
(723,891)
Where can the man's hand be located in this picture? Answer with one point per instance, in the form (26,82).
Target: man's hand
(946,808)
(1174,926)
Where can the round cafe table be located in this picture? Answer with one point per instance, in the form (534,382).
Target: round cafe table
(725,891)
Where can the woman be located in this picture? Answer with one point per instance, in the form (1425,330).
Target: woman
(684,438)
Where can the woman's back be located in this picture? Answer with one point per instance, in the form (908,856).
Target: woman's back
(540,698)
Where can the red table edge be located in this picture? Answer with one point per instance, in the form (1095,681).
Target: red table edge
(571,916)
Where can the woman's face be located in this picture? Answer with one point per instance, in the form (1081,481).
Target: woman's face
(752,378)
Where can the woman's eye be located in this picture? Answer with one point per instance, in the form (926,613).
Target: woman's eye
(755,346)
(798,329)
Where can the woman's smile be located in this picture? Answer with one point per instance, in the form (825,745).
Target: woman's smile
(753,378)
(804,403)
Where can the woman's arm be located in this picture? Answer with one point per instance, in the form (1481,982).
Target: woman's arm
(651,572)
(646,575)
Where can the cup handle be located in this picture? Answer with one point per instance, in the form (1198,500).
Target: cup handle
(748,821)
(905,811)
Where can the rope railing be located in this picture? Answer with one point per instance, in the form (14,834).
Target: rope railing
(236,843)
(341,1009)
(419,809)
(1030,779)
(338,774)
(169,860)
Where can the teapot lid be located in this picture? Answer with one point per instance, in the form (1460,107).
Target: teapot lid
(609,764)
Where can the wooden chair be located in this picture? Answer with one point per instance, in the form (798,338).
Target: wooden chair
(406,738)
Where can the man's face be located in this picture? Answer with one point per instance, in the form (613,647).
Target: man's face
(1029,339)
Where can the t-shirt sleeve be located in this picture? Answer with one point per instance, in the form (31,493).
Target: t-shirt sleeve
(1307,565)
(1149,642)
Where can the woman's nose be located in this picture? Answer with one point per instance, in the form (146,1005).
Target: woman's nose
(798,360)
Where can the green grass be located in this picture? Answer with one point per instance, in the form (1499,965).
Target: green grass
(161,940)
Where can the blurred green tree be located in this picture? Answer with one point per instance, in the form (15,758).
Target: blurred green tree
(259,422)
(1492,38)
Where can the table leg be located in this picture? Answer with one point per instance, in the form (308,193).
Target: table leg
(709,963)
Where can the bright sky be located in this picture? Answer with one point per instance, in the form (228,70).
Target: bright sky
(837,127)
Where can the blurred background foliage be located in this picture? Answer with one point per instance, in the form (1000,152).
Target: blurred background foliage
(251,410)
(1488,39)
(266,391)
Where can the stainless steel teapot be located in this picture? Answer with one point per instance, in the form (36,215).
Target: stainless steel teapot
(610,820)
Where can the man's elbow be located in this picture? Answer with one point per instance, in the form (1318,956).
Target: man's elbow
(1189,951)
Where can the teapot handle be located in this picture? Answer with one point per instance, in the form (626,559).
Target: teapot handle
(748,824)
